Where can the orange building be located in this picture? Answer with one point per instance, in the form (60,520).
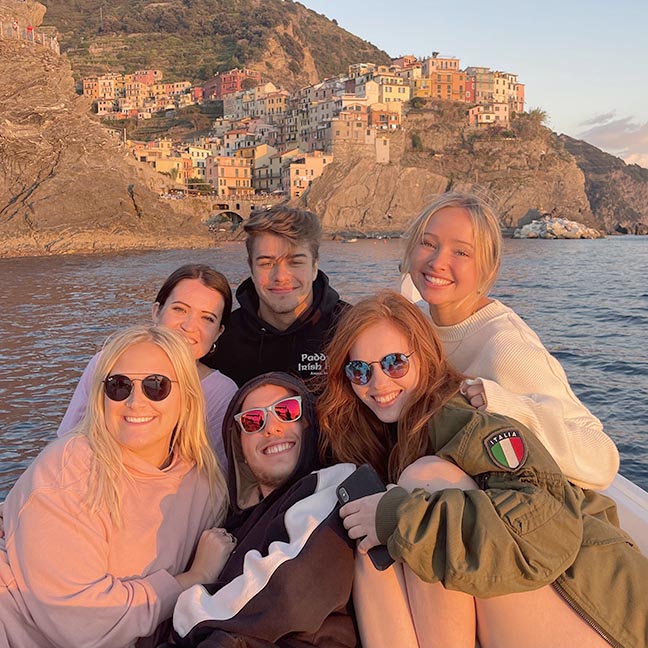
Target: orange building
(149,77)
(229,176)
(91,87)
(449,85)
(383,117)
(404,61)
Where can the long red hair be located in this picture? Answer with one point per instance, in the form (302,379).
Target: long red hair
(349,430)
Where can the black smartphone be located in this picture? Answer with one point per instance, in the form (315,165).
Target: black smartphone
(360,483)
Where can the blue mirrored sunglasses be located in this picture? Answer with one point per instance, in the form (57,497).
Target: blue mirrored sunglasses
(394,365)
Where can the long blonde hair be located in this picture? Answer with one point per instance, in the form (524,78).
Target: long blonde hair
(487,234)
(349,430)
(190,437)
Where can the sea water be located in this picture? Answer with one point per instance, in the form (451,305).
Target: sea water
(587,300)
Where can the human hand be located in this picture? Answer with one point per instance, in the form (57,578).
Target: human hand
(359,519)
(2,533)
(214,548)
(473,390)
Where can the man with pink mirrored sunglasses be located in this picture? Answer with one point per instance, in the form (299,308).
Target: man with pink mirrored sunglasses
(288,582)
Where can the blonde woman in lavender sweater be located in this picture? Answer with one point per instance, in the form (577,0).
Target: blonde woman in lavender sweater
(453,257)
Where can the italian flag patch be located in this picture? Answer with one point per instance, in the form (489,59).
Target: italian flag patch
(507,449)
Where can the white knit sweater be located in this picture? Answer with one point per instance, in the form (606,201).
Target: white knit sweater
(522,380)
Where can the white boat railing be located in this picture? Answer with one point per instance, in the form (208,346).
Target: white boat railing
(632,503)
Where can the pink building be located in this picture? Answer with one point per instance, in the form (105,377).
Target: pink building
(404,61)
(149,77)
(228,82)
(470,89)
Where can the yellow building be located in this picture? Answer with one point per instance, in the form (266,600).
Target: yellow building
(507,89)
(179,167)
(103,86)
(268,175)
(229,176)
(198,155)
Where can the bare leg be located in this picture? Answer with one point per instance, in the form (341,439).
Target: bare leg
(441,617)
(536,619)
(381,606)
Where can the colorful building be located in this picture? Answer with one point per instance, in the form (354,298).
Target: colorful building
(225,83)
(484,83)
(229,176)
(298,176)
(436,63)
(489,114)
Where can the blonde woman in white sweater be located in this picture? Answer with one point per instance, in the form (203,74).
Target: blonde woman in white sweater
(453,257)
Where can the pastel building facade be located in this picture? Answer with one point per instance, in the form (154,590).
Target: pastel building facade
(299,175)
(491,114)
(225,83)
(229,176)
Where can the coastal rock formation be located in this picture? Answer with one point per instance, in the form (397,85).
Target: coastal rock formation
(617,192)
(526,172)
(66,184)
(556,228)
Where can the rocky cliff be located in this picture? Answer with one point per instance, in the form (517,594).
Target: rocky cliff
(66,184)
(617,192)
(526,171)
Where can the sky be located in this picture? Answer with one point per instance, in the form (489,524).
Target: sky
(585,63)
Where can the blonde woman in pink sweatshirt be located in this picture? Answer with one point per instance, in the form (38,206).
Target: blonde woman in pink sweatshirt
(101,528)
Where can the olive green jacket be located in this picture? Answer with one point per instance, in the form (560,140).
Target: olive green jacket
(525,528)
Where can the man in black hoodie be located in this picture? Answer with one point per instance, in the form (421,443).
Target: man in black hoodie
(287,308)
(287,584)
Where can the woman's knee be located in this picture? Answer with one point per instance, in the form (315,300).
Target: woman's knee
(433,473)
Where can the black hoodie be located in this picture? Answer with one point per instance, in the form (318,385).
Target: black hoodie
(288,582)
(250,346)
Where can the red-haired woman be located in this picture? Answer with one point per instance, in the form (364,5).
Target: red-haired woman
(490,539)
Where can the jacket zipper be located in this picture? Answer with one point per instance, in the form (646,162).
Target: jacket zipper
(592,624)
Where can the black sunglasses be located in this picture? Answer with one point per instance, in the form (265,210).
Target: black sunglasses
(155,387)
(395,365)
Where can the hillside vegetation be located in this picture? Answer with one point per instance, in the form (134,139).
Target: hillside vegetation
(192,39)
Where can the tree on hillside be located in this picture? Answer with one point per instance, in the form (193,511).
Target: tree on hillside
(538,116)
(417,103)
(529,124)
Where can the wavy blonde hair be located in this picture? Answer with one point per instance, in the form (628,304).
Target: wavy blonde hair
(487,234)
(190,436)
(349,430)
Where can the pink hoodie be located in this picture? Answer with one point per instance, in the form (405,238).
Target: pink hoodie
(69,577)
